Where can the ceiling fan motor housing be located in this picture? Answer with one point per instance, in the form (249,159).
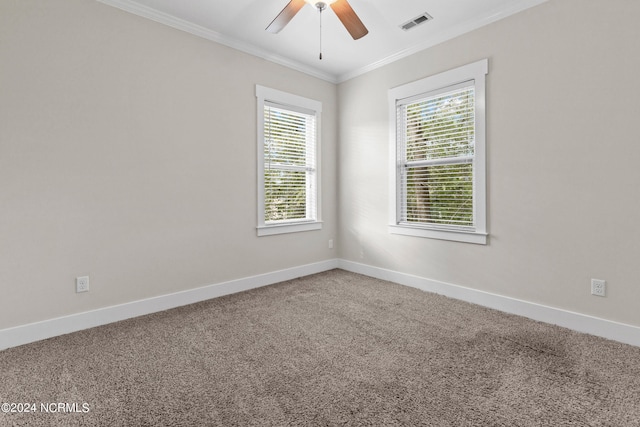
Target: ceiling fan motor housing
(320,5)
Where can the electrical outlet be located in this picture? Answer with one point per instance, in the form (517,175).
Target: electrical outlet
(82,284)
(330,243)
(598,287)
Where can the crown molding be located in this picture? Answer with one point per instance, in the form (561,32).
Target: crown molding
(206,33)
(458,30)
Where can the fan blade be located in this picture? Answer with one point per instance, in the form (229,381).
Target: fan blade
(285,16)
(349,19)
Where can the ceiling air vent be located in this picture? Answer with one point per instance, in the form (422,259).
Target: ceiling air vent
(416,21)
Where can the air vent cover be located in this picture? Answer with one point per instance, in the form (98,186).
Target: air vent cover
(421,19)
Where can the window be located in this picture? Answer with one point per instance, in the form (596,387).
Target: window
(288,131)
(438,154)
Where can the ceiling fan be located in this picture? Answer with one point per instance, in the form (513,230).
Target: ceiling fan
(342,9)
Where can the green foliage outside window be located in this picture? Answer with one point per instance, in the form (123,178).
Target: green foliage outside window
(438,175)
(287,168)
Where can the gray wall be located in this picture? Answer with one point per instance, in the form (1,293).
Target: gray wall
(563,160)
(128,152)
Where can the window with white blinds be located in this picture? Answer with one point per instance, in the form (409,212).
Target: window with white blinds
(438,140)
(289,164)
(436,136)
(288,174)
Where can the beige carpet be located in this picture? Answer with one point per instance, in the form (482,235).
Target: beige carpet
(331,349)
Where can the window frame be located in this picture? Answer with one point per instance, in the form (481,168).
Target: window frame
(475,72)
(267,96)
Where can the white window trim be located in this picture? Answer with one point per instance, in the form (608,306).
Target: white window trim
(475,71)
(265,94)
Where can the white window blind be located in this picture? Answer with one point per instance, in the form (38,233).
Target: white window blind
(289,164)
(436,137)
(437,155)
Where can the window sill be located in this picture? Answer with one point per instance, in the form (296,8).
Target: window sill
(269,230)
(452,235)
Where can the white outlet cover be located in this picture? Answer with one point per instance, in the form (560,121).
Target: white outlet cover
(598,287)
(82,284)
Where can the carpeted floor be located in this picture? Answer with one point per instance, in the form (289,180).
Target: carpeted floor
(331,349)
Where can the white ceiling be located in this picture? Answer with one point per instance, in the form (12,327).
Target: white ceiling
(241,24)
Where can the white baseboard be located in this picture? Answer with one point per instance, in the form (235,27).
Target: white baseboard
(621,332)
(24,334)
(32,332)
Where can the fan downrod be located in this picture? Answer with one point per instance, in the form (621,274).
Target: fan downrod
(320,6)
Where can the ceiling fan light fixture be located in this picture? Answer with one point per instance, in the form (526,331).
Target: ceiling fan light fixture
(320,4)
